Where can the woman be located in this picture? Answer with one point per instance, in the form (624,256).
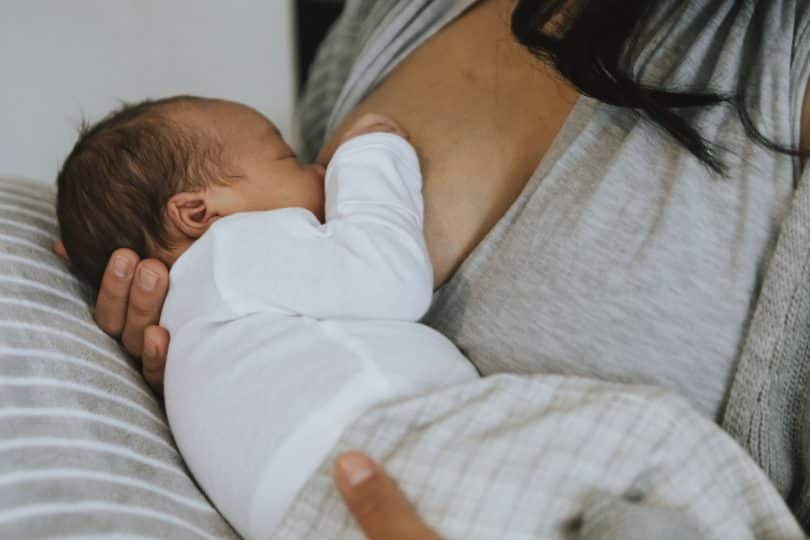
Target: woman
(624,255)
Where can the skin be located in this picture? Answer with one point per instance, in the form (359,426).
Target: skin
(481,112)
(378,505)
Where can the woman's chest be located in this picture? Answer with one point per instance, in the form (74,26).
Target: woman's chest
(624,261)
(481,112)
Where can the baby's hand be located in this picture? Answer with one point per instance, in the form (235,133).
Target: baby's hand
(373,123)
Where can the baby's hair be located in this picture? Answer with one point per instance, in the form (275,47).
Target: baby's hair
(114,185)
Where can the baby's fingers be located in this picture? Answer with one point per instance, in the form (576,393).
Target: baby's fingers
(374,123)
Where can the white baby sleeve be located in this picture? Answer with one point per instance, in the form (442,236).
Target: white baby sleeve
(368,261)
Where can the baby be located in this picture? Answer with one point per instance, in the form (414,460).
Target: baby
(293,295)
(294,291)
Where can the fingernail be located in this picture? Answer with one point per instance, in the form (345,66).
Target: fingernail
(122,267)
(147,279)
(356,467)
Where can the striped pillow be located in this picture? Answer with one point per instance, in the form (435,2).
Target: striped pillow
(85,449)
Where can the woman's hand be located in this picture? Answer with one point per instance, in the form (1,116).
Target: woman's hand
(128,307)
(375,501)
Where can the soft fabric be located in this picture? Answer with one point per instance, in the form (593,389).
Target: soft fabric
(284,330)
(85,450)
(692,268)
(529,458)
(614,517)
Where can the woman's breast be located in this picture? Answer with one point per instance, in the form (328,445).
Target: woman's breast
(481,112)
(624,260)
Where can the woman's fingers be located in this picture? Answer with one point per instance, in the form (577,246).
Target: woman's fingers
(375,501)
(146,294)
(128,306)
(59,249)
(155,349)
(113,296)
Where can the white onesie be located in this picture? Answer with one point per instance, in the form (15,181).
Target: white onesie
(283,330)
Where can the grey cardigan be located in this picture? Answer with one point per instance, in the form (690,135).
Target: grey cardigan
(768,410)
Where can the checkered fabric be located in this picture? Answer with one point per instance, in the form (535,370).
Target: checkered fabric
(524,458)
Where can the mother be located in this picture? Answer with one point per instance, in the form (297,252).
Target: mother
(624,255)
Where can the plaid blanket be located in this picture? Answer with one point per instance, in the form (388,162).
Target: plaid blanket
(545,457)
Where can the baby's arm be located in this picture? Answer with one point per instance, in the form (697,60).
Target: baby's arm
(369,259)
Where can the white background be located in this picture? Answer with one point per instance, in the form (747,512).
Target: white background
(62,60)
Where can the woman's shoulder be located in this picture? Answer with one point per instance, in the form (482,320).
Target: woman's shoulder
(678,37)
(364,28)
(801,60)
(332,65)
(756,49)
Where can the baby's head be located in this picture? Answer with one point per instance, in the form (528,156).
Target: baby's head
(154,176)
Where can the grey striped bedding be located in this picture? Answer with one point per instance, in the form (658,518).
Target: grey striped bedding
(85,450)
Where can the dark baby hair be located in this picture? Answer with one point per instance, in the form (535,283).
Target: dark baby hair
(114,185)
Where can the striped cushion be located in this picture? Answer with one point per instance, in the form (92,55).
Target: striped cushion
(85,449)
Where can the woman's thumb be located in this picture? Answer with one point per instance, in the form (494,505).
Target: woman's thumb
(376,502)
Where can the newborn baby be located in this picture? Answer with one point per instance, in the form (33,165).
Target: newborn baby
(294,291)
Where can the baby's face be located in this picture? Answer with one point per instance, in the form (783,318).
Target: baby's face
(269,175)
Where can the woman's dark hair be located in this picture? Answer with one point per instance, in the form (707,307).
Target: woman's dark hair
(590,50)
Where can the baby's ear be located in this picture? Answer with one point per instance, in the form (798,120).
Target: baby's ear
(190,213)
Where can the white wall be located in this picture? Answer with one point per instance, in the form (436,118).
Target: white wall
(61,60)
